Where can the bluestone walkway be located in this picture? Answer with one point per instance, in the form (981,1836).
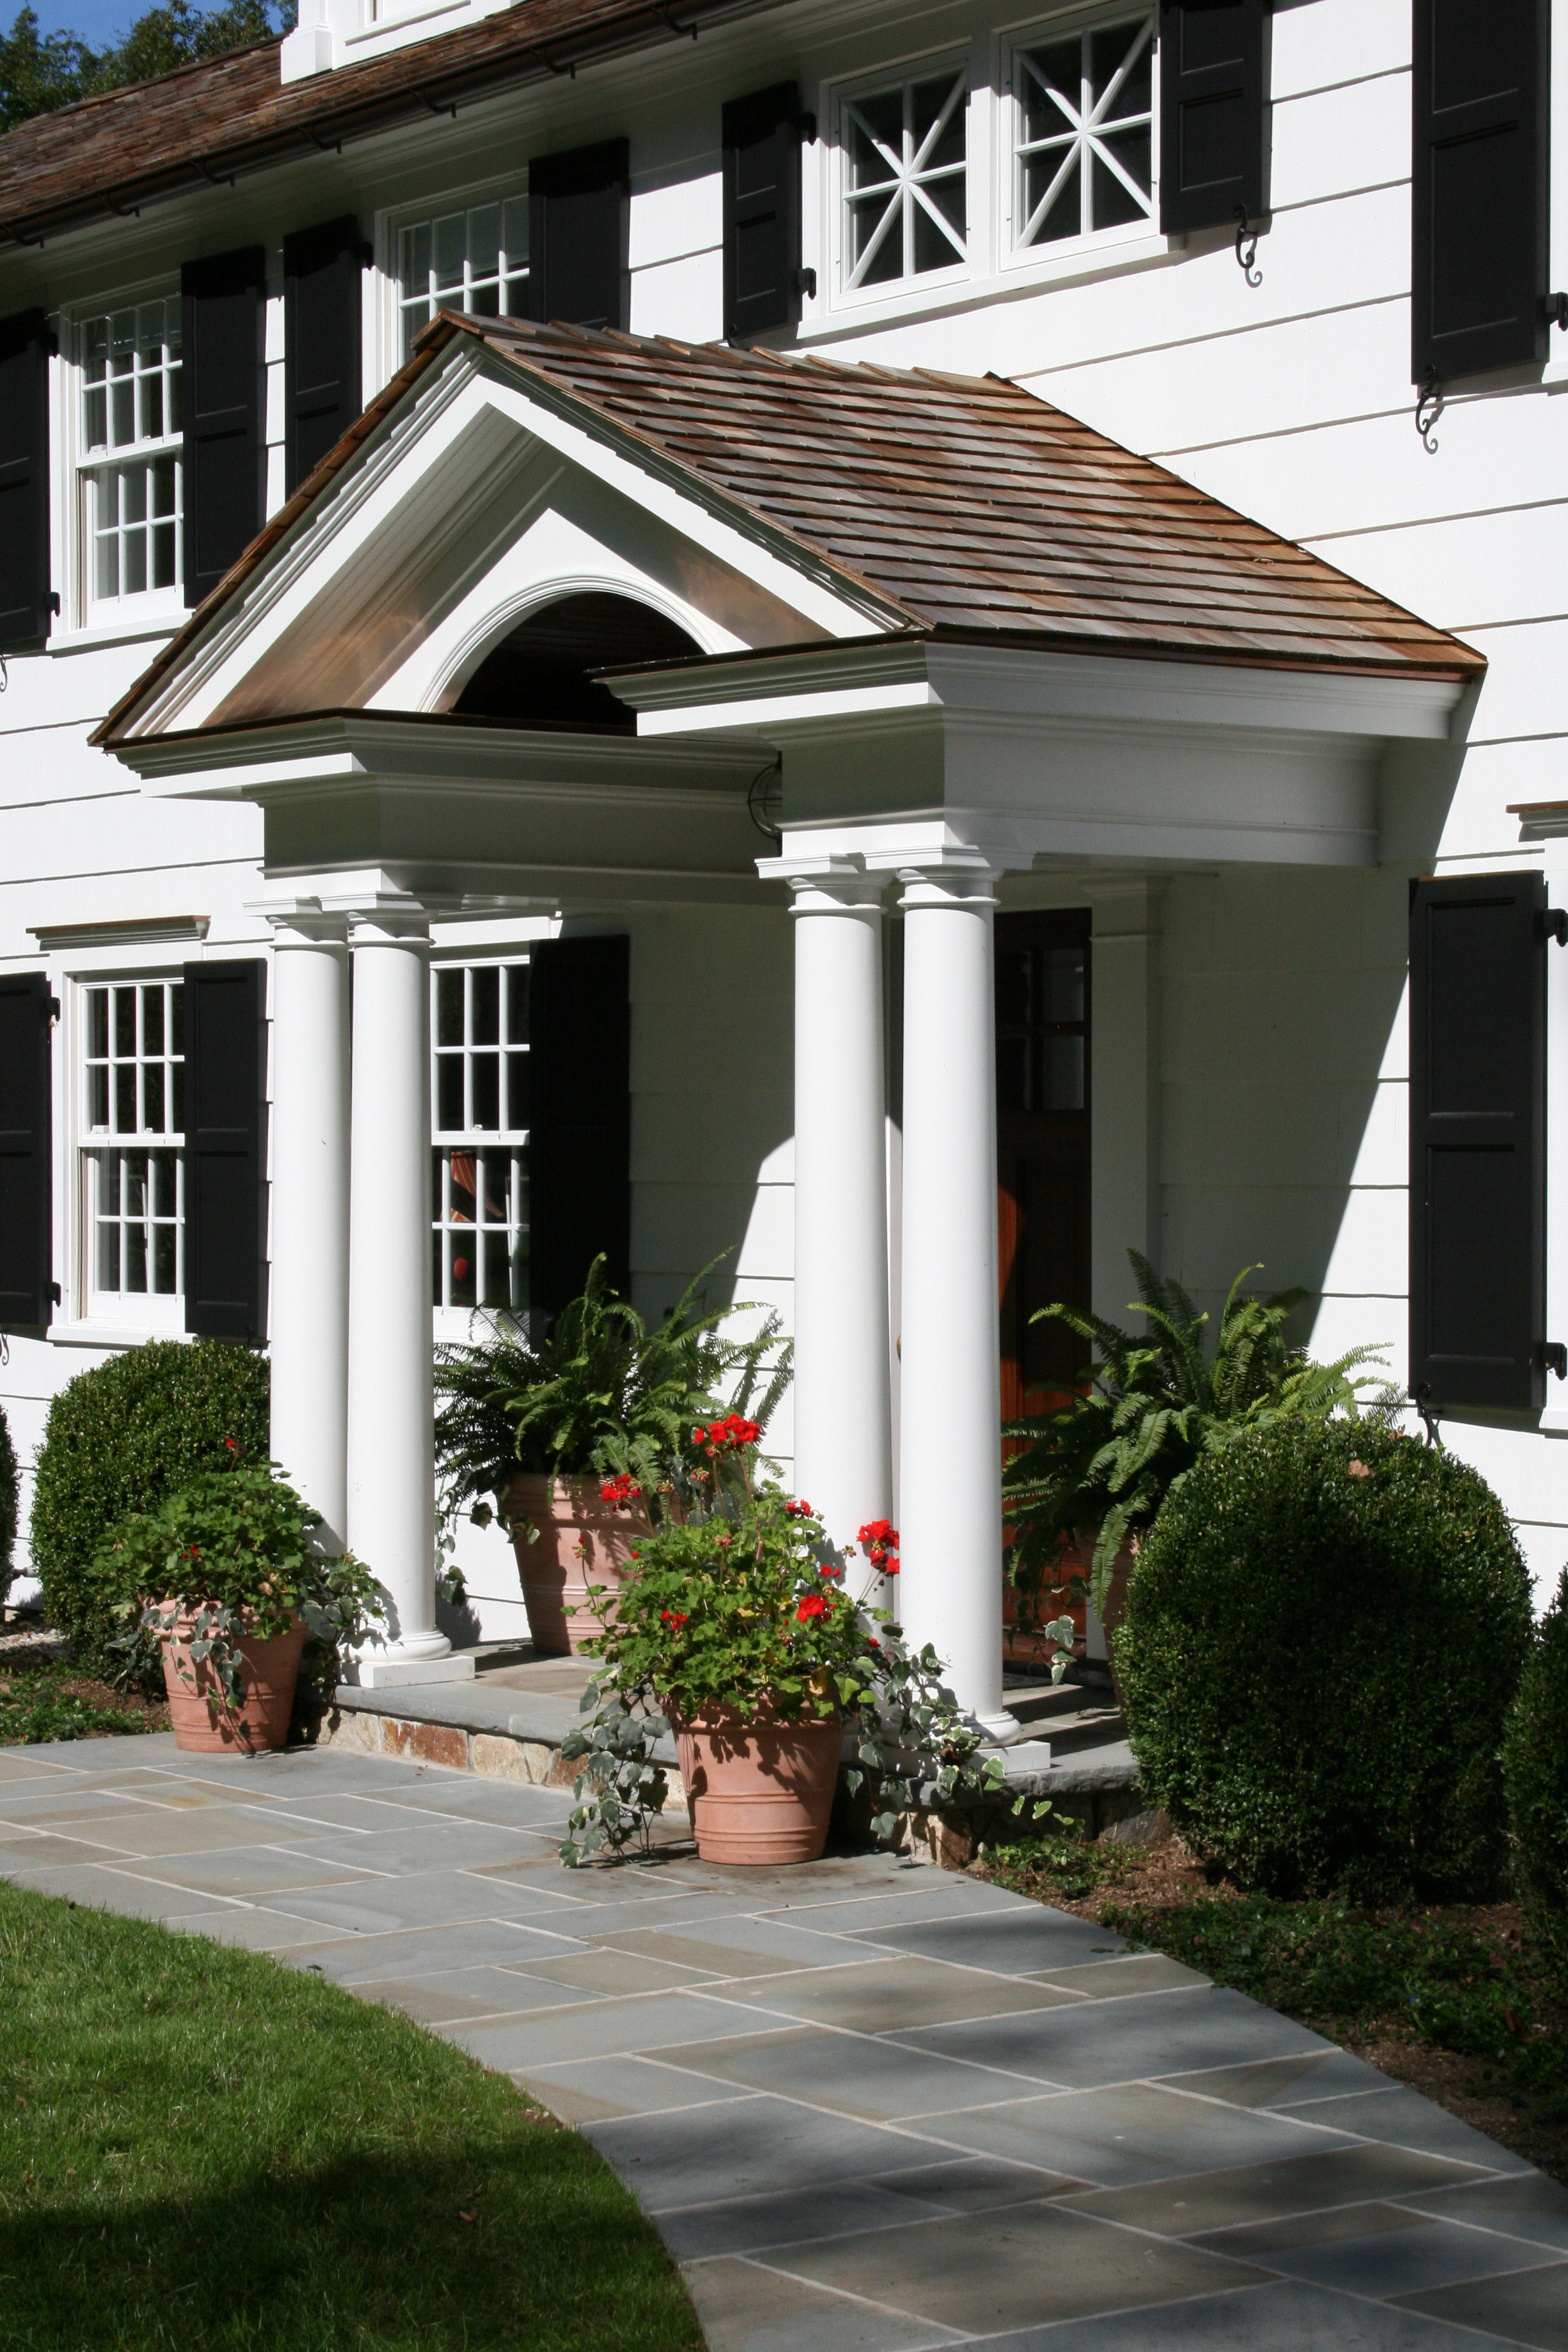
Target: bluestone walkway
(868,2103)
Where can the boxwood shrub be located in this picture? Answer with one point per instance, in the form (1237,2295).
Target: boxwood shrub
(1535,1766)
(7,1507)
(123,1437)
(1323,1636)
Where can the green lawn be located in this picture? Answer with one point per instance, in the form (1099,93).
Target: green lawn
(199,2147)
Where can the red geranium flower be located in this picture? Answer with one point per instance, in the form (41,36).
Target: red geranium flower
(672,1616)
(797,1510)
(620,1492)
(812,1605)
(880,1537)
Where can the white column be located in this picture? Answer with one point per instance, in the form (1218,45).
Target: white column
(843,1432)
(950,1501)
(310,1282)
(391,1474)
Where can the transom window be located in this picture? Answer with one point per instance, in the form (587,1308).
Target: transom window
(904,161)
(475,261)
(1083,153)
(134,1111)
(478,1024)
(130,367)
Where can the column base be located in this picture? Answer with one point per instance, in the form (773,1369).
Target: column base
(390,1671)
(1001,1729)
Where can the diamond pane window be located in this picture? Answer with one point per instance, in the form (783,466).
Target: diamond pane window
(475,261)
(905,172)
(134,1071)
(1084,156)
(130,366)
(479,1033)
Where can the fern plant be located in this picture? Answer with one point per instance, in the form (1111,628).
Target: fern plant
(1154,1405)
(601,1396)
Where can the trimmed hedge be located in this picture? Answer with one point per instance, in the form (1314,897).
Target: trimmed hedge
(123,1437)
(1535,1769)
(7,1507)
(1323,1636)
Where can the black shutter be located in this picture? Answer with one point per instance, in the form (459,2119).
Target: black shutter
(577,235)
(223,314)
(27,1185)
(762,211)
(1478,188)
(1213,112)
(25,600)
(579,1142)
(322,307)
(1477,1140)
(226,1149)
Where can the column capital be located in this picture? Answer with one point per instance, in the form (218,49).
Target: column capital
(946,878)
(824,885)
(383,913)
(301,922)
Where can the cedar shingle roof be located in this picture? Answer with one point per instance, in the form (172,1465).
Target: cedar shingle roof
(975,506)
(233,113)
(967,505)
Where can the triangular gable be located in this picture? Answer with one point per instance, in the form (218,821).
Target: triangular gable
(463,497)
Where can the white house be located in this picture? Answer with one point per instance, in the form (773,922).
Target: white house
(933,669)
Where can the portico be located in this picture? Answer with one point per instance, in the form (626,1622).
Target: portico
(1060,662)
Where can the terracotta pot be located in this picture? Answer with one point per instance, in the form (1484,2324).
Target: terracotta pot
(759,1788)
(269,1671)
(581,1541)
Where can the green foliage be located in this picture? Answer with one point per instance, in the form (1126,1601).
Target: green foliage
(1323,1636)
(602,1395)
(737,1598)
(39,72)
(201,2147)
(36,1703)
(240,1550)
(1058,1864)
(1535,1769)
(7,1507)
(1152,1408)
(123,1437)
(1452,1983)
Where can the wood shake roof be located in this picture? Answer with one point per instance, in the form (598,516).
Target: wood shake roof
(970,509)
(230,114)
(978,509)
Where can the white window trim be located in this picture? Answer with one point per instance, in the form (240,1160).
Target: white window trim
(866,301)
(455,1323)
(382,319)
(1066,255)
(126,1319)
(82,620)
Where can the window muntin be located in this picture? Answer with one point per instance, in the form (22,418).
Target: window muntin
(1042,1027)
(133,1113)
(130,367)
(474,260)
(1084,127)
(904,161)
(479,1096)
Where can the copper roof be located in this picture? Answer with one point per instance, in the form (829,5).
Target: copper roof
(233,113)
(967,506)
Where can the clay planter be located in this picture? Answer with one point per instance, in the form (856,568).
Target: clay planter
(759,1788)
(581,1541)
(269,1671)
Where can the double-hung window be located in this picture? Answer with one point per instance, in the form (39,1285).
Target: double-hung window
(133,1075)
(903,162)
(1083,130)
(478,1023)
(475,261)
(128,372)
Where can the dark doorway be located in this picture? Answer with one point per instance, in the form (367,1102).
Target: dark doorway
(1043,1065)
(540,673)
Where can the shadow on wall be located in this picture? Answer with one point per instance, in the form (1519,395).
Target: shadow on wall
(1284,1060)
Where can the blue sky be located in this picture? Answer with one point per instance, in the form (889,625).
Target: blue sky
(97,21)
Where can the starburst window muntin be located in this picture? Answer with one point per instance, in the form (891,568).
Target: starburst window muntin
(1083,150)
(904,160)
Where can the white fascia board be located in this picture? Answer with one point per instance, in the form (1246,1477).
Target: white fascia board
(775,714)
(1111,688)
(781,565)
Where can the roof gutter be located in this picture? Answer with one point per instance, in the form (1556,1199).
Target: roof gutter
(324,131)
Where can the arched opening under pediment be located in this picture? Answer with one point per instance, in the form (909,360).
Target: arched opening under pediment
(540,673)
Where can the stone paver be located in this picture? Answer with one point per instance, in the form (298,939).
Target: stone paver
(871,2107)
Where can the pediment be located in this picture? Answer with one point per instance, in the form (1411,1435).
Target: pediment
(468,505)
